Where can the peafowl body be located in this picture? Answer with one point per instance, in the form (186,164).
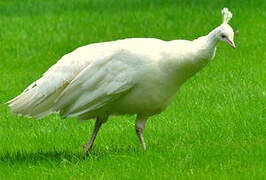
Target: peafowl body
(131,76)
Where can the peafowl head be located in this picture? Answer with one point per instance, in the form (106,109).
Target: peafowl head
(226,32)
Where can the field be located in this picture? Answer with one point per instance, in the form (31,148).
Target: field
(214,128)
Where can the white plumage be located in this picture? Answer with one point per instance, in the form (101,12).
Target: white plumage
(131,76)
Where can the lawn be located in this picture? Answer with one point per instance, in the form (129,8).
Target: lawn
(214,128)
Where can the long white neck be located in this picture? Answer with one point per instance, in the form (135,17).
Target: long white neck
(195,55)
(211,39)
(204,52)
(206,47)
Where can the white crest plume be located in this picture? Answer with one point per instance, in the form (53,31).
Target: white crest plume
(227,15)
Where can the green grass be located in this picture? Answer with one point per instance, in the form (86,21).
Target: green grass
(214,128)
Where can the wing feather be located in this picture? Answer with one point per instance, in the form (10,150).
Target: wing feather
(97,85)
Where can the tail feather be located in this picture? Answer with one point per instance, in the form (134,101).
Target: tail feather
(26,102)
(33,103)
(39,98)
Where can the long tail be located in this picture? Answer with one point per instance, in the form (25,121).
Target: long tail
(34,101)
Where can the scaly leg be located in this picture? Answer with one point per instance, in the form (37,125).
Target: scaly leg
(98,125)
(140,126)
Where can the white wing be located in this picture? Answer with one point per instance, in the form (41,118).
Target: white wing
(99,83)
(88,72)
(86,79)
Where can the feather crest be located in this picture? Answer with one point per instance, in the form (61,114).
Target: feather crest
(227,15)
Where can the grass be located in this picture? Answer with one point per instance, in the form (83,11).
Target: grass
(214,128)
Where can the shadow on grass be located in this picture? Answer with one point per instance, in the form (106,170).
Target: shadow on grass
(70,157)
(35,157)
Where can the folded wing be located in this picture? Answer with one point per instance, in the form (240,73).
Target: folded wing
(77,84)
(100,83)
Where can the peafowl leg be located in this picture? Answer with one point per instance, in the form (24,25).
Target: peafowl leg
(98,125)
(140,126)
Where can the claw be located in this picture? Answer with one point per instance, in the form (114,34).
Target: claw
(86,150)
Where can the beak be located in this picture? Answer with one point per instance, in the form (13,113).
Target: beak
(231,43)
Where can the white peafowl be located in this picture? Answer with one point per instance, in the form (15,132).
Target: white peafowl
(130,76)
